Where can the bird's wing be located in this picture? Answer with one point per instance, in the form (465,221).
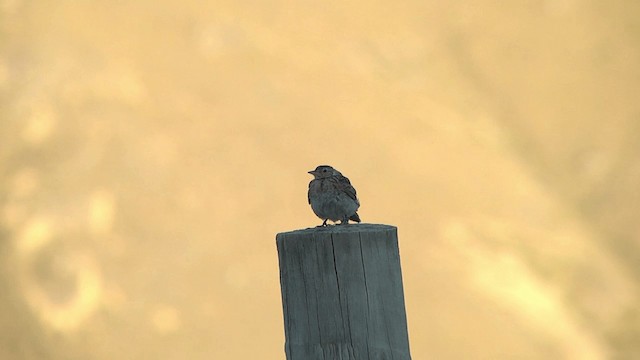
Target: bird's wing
(345,186)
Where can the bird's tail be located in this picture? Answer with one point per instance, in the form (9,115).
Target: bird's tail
(355,217)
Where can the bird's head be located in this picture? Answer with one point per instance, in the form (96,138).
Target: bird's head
(324,171)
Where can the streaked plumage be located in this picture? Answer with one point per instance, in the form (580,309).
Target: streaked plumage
(332,197)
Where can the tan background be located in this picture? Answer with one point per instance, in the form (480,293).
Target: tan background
(151,150)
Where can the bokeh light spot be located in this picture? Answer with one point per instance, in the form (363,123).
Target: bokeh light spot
(40,125)
(102,209)
(165,319)
(68,315)
(35,234)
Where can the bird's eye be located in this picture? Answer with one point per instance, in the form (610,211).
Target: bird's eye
(325,170)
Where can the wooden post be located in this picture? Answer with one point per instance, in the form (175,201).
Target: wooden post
(342,294)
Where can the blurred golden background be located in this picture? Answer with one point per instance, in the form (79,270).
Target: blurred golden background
(151,150)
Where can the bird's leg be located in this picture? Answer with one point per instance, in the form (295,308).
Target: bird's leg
(324,223)
(344,221)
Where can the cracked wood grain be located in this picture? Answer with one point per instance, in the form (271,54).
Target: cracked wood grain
(342,293)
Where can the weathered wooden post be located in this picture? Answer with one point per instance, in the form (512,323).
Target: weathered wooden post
(342,294)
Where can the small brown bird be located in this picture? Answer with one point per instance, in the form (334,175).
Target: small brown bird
(332,197)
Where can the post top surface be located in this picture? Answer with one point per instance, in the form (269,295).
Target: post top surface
(351,228)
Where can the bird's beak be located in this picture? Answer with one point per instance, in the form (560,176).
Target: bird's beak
(312,172)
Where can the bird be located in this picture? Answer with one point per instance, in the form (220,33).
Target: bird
(332,197)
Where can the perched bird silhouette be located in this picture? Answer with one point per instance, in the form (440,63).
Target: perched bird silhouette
(332,197)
